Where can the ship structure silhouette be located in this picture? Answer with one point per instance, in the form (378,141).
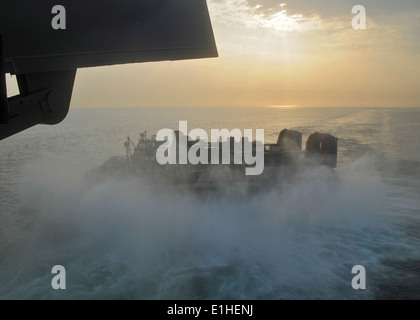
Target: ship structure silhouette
(282,161)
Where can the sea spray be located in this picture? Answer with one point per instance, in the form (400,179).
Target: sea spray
(119,238)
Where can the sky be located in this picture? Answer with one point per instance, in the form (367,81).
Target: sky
(279,53)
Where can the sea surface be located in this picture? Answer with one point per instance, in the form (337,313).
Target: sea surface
(120,239)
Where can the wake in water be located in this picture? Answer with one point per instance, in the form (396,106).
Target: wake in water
(121,238)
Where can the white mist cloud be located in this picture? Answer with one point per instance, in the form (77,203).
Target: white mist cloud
(124,238)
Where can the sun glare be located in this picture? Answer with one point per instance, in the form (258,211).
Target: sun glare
(283,106)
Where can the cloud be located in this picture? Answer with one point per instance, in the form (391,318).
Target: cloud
(328,9)
(302,53)
(242,12)
(390,26)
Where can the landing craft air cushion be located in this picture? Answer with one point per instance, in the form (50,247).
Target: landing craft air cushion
(282,161)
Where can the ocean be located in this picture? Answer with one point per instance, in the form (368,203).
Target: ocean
(121,239)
